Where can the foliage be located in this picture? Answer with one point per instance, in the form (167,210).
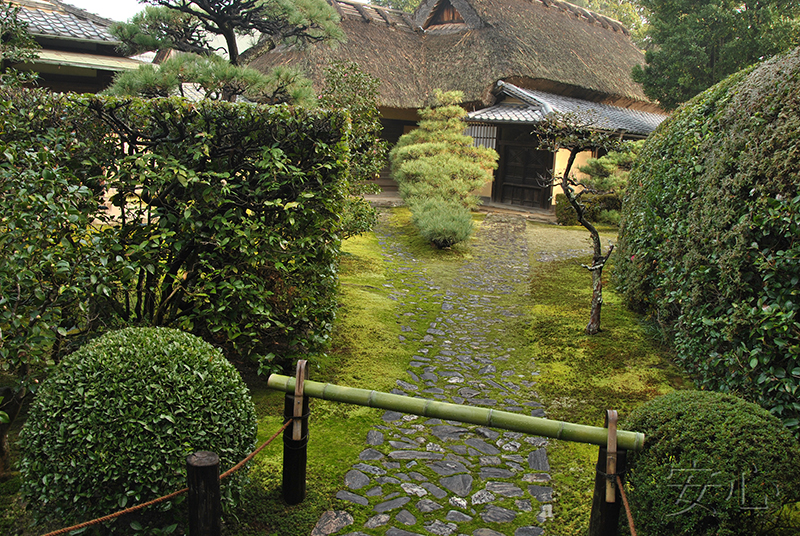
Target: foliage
(629,12)
(347,87)
(708,242)
(713,464)
(697,44)
(16,46)
(186,25)
(438,161)
(409,6)
(441,222)
(215,218)
(215,79)
(116,420)
(610,172)
(48,234)
(602,208)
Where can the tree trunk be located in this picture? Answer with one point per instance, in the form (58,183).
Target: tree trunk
(597,301)
(11,404)
(598,260)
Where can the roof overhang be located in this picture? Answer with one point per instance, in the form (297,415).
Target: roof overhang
(524,106)
(86,61)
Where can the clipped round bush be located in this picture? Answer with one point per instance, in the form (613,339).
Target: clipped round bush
(713,464)
(444,223)
(708,239)
(114,423)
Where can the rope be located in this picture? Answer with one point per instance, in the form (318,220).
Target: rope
(255,452)
(117,514)
(627,506)
(171,495)
(610,477)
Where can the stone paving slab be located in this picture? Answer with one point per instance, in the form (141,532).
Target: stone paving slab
(428,476)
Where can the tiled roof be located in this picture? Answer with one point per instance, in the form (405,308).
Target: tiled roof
(52,18)
(538,104)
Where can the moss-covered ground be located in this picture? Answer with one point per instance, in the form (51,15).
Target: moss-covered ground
(578,377)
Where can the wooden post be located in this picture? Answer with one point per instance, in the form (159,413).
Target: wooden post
(202,474)
(604,520)
(295,440)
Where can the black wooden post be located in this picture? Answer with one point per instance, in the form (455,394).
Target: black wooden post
(202,474)
(295,440)
(607,501)
(604,520)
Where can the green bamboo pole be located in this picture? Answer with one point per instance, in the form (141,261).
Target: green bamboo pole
(442,410)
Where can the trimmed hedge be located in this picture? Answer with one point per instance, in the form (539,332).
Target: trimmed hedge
(713,464)
(215,218)
(708,242)
(114,423)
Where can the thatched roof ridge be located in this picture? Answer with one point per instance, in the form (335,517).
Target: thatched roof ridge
(540,44)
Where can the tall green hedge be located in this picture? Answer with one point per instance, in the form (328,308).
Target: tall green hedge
(215,218)
(709,238)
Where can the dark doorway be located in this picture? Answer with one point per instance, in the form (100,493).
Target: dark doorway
(523,176)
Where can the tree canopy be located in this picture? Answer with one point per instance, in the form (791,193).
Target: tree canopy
(213,78)
(697,44)
(189,25)
(194,28)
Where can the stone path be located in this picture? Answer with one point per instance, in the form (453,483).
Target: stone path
(426,476)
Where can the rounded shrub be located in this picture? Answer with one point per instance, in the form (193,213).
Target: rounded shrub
(708,239)
(713,464)
(114,423)
(444,223)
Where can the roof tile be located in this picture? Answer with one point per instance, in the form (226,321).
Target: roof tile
(594,114)
(56,19)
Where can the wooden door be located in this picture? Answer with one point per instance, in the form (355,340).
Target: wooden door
(524,175)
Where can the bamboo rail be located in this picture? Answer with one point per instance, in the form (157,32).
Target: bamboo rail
(442,410)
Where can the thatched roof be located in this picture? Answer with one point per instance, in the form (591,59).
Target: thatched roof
(538,44)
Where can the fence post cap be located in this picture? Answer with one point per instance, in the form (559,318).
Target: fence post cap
(203,458)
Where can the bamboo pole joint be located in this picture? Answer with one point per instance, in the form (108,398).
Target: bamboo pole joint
(505,420)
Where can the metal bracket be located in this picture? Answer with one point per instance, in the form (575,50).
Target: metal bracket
(297,413)
(611,452)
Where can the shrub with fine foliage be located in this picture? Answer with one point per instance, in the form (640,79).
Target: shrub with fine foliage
(437,161)
(708,241)
(115,422)
(713,464)
(444,223)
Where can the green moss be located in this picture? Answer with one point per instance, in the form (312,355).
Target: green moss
(581,376)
